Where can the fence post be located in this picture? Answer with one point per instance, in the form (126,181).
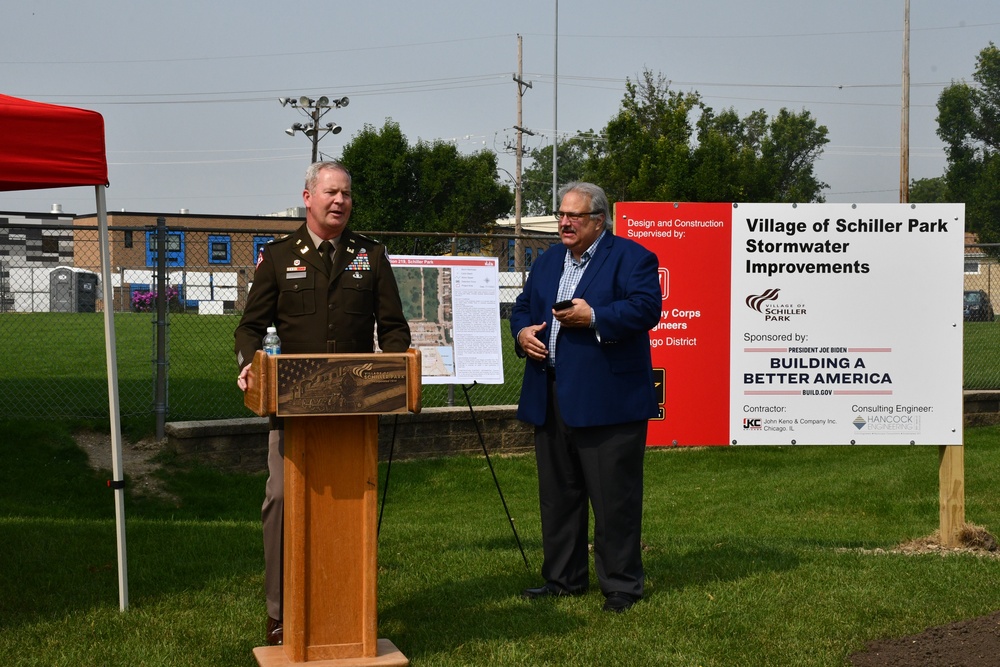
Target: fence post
(160,401)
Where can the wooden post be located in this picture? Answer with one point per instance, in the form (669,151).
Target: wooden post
(951,497)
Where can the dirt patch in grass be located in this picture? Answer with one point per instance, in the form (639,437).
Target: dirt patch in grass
(973,642)
(970,643)
(138,461)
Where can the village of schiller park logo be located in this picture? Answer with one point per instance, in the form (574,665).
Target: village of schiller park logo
(773,312)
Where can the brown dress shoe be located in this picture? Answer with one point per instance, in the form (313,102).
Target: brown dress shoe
(275,632)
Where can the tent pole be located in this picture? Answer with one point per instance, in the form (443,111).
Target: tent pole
(110,350)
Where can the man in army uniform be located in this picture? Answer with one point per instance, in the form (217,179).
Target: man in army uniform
(325,288)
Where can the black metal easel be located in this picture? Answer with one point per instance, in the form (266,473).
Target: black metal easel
(482,443)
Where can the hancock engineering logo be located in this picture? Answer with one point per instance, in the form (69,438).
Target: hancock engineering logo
(899,423)
(773,312)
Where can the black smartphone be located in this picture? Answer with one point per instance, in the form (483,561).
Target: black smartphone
(563,305)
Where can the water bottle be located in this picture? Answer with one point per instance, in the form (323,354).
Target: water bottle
(272,344)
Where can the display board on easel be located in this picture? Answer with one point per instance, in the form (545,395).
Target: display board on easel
(452,304)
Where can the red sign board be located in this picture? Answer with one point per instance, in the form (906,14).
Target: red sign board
(691,342)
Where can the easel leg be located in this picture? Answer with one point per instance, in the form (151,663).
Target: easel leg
(496,482)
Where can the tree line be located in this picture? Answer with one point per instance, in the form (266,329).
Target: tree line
(969,125)
(665,145)
(662,145)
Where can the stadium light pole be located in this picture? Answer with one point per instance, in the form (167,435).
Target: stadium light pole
(314,110)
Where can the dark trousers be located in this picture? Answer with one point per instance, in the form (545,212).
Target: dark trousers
(602,464)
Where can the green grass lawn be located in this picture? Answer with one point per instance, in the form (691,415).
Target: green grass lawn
(755,556)
(54,368)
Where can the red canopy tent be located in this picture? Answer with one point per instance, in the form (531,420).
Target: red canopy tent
(50,146)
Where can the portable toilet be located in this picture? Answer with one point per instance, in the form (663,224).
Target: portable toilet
(72,290)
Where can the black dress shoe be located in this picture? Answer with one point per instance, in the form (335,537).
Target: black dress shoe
(619,602)
(547,591)
(275,633)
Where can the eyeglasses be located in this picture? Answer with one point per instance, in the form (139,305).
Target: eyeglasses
(574,217)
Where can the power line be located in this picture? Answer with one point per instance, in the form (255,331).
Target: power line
(396,87)
(796,35)
(385,47)
(286,54)
(616,81)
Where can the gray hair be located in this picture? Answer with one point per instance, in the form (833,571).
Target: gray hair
(312,173)
(598,200)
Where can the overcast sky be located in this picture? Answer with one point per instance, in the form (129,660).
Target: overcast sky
(189,89)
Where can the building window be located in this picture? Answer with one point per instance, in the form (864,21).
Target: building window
(219,249)
(174,250)
(972,267)
(128,238)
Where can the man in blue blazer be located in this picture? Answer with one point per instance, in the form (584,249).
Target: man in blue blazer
(583,322)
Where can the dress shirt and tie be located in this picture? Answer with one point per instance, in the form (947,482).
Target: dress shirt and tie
(571,275)
(326,254)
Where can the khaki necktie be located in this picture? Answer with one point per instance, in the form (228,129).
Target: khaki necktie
(324,253)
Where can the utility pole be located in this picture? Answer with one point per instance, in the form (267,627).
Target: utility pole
(555,117)
(521,86)
(904,151)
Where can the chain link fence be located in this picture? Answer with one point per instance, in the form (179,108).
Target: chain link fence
(181,365)
(981,332)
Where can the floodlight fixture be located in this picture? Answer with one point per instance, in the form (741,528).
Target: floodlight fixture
(314,110)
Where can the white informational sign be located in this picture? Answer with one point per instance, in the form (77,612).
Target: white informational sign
(846,324)
(453,307)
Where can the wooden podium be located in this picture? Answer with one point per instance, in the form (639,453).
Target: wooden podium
(330,404)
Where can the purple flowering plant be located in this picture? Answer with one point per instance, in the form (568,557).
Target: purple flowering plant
(144,302)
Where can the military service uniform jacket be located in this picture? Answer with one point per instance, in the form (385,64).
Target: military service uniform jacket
(316,313)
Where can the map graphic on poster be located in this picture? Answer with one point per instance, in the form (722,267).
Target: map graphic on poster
(452,305)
